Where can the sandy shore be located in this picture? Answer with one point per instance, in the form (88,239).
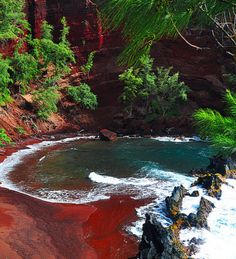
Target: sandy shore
(32,228)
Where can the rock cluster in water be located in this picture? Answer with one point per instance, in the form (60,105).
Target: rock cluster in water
(163,242)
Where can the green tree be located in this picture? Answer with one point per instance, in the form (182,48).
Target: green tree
(4,138)
(83,95)
(86,68)
(144,22)
(219,129)
(46,101)
(12,19)
(53,56)
(25,69)
(169,92)
(5,80)
(132,85)
(156,93)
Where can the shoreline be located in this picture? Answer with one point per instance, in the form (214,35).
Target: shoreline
(33,227)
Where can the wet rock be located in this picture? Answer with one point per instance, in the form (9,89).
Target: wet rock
(160,242)
(107,135)
(193,194)
(212,183)
(199,220)
(174,202)
(193,246)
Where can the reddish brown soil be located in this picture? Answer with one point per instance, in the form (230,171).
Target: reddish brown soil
(32,228)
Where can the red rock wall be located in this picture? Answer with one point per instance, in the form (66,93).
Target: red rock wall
(200,69)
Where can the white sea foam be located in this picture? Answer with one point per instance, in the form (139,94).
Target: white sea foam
(17,158)
(98,178)
(219,242)
(177,139)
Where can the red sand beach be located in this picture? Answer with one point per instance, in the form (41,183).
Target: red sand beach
(32,228)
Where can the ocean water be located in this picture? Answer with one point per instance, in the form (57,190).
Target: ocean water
(82,172)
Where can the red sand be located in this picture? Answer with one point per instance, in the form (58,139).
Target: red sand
(32,228)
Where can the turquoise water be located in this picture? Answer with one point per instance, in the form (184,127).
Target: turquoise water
(95,167)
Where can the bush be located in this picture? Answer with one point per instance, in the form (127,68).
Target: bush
(219,129)
(20,130)
(86,68)
(4,138)
(58,55)
(5,80)
(82,94)
(12,19)
(155,93)
(169,92)
(25,69)
(46,100)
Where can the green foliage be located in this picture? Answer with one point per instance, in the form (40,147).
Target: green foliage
(46,100)
(25,69)
(49,53)
(4,138)
(12,19)
(86,68)
(219,129)
(143,22)
(169,92)
(82,94)
(156,93)
(5,80)
(20,130)
(132,85)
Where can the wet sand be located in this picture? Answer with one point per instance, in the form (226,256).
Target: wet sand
(32,228)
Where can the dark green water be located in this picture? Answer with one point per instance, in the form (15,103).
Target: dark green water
(69,167)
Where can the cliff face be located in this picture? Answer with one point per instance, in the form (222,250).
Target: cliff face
(201,70)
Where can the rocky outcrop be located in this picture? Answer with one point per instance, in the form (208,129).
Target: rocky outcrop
(164,242)
(159,242)
(174,202)
(107,135)
(199,220)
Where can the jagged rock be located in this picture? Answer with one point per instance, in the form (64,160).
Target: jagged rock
(199,220)
(212,183)
(193,194)
(107,135)
(160,242)
(174,202)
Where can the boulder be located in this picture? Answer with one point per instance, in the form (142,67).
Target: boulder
(160,242)
(199,220)
(212,183)
(107,135)
(174,202)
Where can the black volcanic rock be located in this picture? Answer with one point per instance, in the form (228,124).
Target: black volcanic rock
(174,202)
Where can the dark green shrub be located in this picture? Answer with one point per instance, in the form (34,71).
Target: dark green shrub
(86,68)
(82,94)
(5,80)
(4,138)
(46,101)
(155,93)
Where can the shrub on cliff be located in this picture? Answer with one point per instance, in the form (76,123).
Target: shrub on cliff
(5,80)
(54,58)
(12,19)
(83,95)
(86,68)
(46,102)
(4,138)
(25,69)
(219,129)
(155,93)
